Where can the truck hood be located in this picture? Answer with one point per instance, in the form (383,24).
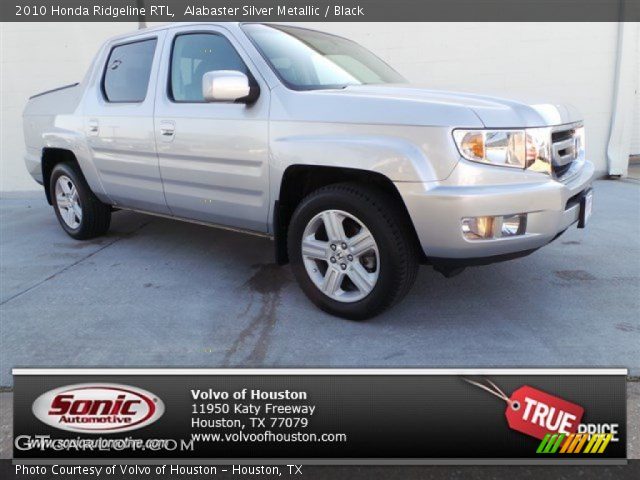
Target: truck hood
(494,112)
(403,104)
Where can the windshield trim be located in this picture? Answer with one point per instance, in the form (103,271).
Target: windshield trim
(306,88)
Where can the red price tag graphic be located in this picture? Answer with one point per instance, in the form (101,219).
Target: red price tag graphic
(537,413)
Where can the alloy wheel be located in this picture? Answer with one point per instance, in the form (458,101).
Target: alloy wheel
(340,256)
(68,202)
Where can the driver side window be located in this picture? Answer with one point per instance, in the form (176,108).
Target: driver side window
(195,54)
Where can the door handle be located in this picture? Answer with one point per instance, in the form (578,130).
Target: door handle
(93,127)
(167,130)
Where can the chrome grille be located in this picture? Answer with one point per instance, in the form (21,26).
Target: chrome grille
(565,149)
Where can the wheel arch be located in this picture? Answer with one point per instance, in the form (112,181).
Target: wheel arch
(50,158)
(299,180)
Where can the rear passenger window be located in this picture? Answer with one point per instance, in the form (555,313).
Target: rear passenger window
(126,77)
(195,54)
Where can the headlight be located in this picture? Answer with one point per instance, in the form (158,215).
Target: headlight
(580,145)
(527,148)
(539,149)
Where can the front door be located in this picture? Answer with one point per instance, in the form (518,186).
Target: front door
(213,156)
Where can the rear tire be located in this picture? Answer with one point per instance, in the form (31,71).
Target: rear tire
(365,260)
(79,211)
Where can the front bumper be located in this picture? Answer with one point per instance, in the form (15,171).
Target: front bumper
(474,190)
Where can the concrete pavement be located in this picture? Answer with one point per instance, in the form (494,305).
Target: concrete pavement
(156,292)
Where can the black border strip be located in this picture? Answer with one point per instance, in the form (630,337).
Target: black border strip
(327,10)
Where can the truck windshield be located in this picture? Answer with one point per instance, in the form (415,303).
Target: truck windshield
(309,60)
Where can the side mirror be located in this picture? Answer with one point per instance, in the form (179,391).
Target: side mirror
(228,86)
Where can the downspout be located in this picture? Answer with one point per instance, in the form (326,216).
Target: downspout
(625,83)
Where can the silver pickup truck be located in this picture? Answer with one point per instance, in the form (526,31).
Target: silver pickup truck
(309,139)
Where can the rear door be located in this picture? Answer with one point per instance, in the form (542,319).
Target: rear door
(119,123)
(214,157)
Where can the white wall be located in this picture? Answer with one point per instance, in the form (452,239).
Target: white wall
(567,63)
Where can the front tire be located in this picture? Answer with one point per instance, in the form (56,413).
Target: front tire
(351,250)
(79,211)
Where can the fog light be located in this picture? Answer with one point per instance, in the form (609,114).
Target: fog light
(486,228)
(478,228)
(513,225)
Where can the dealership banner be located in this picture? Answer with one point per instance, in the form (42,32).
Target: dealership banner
(320,416)
(320,10)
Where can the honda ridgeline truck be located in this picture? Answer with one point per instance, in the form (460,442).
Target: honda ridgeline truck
(312,140)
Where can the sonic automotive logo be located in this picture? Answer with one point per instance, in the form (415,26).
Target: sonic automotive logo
(98,408)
